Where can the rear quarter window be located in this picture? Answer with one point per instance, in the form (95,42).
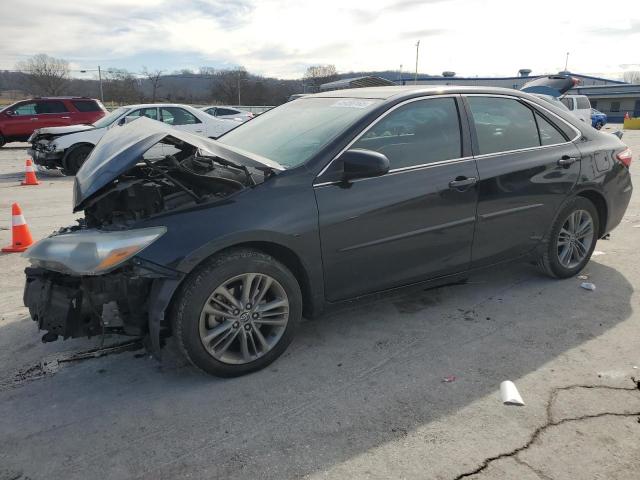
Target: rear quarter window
(86,105)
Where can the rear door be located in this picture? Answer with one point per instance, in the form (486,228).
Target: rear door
(411,224)
(53,113)
(527,166)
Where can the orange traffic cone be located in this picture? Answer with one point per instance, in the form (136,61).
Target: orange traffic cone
(30,174)
(21,236)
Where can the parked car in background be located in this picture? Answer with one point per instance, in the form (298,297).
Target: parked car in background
(579,105)
(66,148)
(19,120)
(221,111)
(598,119)
(327,198)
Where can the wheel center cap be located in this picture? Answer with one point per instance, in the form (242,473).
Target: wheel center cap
(244,317)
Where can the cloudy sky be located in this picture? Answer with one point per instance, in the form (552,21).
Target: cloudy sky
(281,38)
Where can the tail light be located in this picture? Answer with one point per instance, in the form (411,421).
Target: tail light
(625,157)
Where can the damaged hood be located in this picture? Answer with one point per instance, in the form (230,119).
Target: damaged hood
(120,149)
(59,131)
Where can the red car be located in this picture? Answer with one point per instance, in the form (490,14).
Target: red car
(18,121)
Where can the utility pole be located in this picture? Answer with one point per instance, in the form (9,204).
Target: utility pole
(100,80)
(415,78)
(239,92)
(566,62)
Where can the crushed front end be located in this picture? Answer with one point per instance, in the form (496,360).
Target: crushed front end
(89,279)
(69,306)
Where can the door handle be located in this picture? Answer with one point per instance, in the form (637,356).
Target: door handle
(566,160)
(67,118)
(33,119)
(460,183)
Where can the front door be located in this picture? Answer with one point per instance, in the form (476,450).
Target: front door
(527,166)
(23,120)
(410,224)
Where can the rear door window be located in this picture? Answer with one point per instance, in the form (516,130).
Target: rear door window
(178,116)
(417,133)
(502,124)
(51,106)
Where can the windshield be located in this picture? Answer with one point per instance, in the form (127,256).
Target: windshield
(292,133)
(112,117)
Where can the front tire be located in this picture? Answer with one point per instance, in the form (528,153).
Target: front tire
(75,158)
(237,313)
(571,240)
(3,141)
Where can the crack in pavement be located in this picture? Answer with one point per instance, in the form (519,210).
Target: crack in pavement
(550,422)
(50,365)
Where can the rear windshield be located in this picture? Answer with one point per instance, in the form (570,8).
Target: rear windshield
(86,105)
(294,132)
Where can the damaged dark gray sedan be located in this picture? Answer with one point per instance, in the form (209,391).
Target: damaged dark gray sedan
(225,244)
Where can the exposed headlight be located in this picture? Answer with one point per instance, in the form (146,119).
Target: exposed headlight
(91,252)
(51,147)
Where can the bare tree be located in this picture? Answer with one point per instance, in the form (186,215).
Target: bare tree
(632,76)
(318,74)
(154,79)
(48,75)
(226,84)
(122,87)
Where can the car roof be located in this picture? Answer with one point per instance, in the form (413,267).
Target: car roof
(399,91)
(154,105)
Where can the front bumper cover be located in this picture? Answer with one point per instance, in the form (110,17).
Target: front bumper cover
(46,159)
(130,301)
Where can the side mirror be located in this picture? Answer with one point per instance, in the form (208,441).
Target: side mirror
(360,163)
(125,120)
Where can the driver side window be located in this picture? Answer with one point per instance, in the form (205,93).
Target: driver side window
(25,109)
(418,133)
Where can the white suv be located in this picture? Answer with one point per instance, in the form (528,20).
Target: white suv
(579,105)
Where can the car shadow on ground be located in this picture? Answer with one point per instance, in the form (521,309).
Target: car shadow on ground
(352,380)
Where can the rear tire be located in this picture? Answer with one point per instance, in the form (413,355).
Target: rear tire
(229,334)
(571,239)
(3,141)
(75,158)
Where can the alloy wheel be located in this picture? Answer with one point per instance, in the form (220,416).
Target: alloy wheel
(575,238)
(244,318)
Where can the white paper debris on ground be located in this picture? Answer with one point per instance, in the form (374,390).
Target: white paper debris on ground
(583,277)
(588,286)
(509,394)
(597,252)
